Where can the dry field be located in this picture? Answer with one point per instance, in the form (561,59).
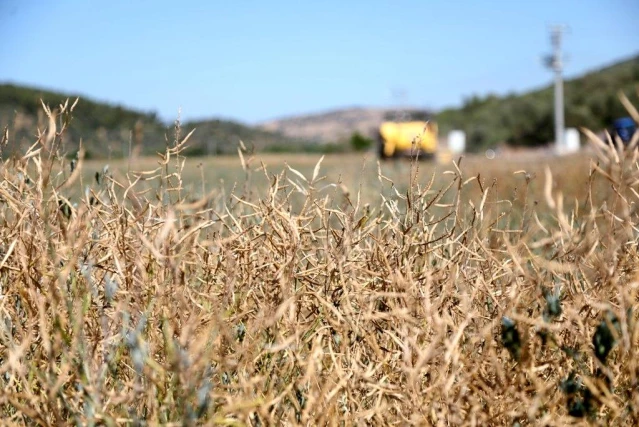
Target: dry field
(239,291)
(342,174)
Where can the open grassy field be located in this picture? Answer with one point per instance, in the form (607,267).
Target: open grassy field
(175,291)
(349,174)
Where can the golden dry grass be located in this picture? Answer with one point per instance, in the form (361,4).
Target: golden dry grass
(472,296)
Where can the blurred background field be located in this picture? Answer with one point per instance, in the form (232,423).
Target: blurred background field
(353,173)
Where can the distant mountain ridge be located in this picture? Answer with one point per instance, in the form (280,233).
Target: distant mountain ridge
(335,126)
(525,119)
(331,126)
(107,129)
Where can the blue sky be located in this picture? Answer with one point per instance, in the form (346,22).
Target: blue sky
(255,60)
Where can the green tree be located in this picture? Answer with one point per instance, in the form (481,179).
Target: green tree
(360,143)
(527,119)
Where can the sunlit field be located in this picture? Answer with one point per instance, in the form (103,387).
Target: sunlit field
(286,290)
(350,174)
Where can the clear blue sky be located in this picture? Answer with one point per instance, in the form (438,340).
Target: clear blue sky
(255,60)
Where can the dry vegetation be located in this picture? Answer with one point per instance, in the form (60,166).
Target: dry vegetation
(443,304)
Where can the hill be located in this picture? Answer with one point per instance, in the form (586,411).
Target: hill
(525,119)
(107,129)
(331,126)
(591,100)
(335,126)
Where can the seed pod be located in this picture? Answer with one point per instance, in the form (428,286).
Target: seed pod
(110,288)
(510,337)
(226,380)
(137,357)
(203,398)
(570,385)
(337,339)
(578,408)
(553,307)
(579,398)
(301,399)
(255,417)
(240,332)
(573,353)
(603,340)
(65,208)
(544,336)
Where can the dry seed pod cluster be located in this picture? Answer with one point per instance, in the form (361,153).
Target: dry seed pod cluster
(133,304)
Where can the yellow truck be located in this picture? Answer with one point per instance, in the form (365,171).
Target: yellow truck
(400,138)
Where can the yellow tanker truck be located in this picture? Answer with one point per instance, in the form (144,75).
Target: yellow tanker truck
(407,137)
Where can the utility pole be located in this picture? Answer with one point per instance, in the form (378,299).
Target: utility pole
(555,62)
(399,96)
